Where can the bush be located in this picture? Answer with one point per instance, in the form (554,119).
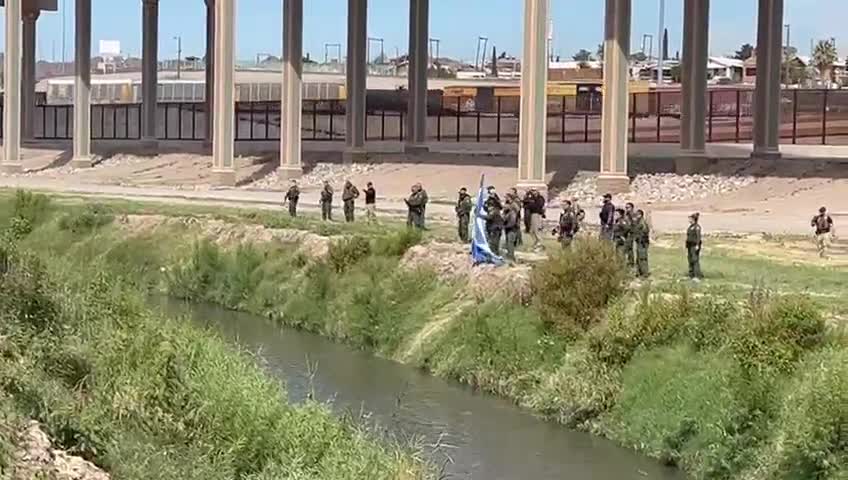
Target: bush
(571,288)
(812,440)
(90,218)
(655,321)
(396,244)
(25,294)
(680,406)
(776,333)
(31,207)
(348,251)
(193,278)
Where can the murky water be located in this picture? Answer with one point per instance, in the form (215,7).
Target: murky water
(486,438)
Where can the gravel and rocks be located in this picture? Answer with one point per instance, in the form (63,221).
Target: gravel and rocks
(37,459)
(335,173)
(658,188)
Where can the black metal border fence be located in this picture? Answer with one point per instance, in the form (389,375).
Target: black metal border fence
(807,116)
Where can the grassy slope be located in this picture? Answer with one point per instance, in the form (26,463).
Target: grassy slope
(148,397)
(722,389)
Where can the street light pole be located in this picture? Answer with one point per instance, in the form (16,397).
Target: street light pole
(788,28)
(660,38)
(179,55)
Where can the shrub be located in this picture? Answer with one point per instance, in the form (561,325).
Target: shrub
(348,251)
(812,423)
(655,321)
(192,278)
(90,218)
(680,406)
(776,333)
(31,207)
(25,294)
(571,288)
(396,244)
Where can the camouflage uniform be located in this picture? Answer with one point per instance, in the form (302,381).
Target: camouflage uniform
(693,250)
(349,196)
(494,223)
(567,227)
(630,221)
(620,234)
(292,197)
(464,205)
(512,228)
(327,203)
(416,203)
(823,225)
(641,234)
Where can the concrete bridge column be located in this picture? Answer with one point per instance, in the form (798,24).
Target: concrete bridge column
(613,173)
(30,17)
(419,40)
(210,72)
(696,24)
(82,85)
(291,165)
(532,136)
(12,90)
(223,154)
(767,94)
(357,77)
(150,70)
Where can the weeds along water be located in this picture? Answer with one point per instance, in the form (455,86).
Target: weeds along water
(722,385)
(145,396)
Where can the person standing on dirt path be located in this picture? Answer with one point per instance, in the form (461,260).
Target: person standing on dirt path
(693,247)
(514,201)
(527,206)
(511,225)
(534,203)
(370,203)
(349,196)
(579,214)
(824,231)
(630,219)
(416,204)
(567,226)
(464,205)
(641,233)
(327,202)
(620,233)
(292,197)
(494,220)
(607,217)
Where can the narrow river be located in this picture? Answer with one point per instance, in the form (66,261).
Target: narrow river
(486,438)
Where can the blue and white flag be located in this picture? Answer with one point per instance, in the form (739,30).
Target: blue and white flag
(480,251)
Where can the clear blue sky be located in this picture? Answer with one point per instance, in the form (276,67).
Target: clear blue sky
(457,23)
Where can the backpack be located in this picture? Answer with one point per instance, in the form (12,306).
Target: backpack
(822,223)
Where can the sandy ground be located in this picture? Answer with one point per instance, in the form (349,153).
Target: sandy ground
(784,197)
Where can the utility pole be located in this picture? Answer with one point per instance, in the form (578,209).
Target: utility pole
(435,59)
(64,33)
(382,51)
(327,47)
(480,55)
(788,28)
(660,39)
(179,55)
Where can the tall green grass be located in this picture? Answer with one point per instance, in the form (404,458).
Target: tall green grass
(721,387)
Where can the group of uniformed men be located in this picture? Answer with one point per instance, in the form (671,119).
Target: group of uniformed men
(626,227)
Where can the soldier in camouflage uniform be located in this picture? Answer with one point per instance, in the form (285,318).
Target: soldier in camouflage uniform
(693,247)
(620,233)
(641,234)
(464,205)
(494,220)
(349,196)
(567,226)
(327,202)
(630,220)
(292,197)
(511,225)
(416,204)
(823,224)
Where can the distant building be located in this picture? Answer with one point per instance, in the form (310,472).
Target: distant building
(575,70)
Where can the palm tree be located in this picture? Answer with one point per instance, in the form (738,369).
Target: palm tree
(824,56)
